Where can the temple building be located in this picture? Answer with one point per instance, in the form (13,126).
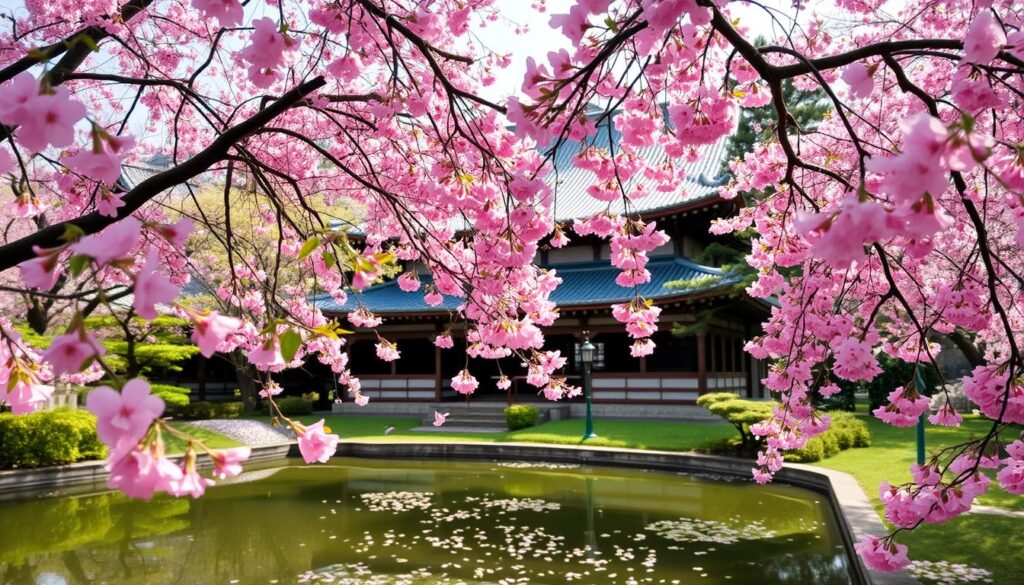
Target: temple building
(688,361)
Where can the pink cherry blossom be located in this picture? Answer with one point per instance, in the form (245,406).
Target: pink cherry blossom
(125,415)
(985,37)
(152,288)
(49,120)
(387,351)
(113,243)
(858,77)
(315,446)
(41,272)
(882,555)
(464,383)
(210,330)
(228,462)
(227,12)
(139,472)
(266,355)
(444,341)
(439,418)
(67,353)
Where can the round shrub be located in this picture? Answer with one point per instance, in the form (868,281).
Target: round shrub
(295,405)
(175,397)
(228,409)
(54,437)
(521,416)
(201,410)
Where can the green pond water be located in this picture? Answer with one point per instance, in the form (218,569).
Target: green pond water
(375,522)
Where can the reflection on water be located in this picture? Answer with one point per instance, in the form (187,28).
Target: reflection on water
(387,522)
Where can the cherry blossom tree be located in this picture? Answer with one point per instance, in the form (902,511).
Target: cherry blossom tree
(897,219)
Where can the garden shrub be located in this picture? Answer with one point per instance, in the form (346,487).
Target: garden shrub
(201,410)
(738,412)
(521,416)
(175,397)
(845,431)
(228,409)
(295,405)
(53,437)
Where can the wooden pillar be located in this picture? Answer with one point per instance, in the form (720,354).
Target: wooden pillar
(702,370)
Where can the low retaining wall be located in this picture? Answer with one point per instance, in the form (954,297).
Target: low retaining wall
(13,481)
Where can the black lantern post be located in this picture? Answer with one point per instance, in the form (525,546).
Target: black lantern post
(587,357)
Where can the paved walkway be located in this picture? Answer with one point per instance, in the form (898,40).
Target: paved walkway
(976,509)
(249,432)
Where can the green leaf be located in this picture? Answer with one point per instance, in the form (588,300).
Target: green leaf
(290,342)
(77,264)
(308,247)
(611,24)
(72,233)
(330,259)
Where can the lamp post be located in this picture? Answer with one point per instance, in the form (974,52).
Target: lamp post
(587,357)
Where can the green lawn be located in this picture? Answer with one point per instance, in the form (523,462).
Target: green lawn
(213,440)
(660,435)
(977,540)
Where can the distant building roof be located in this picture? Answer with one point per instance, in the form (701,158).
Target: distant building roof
(701,178)
(583,284)
(135,173)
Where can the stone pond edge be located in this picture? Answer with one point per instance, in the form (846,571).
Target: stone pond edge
(854,512)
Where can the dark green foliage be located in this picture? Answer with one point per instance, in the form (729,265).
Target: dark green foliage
(175,397)
(896,373)
(739,413)
(228,409)
(845,399)
(295,405)
(521,416)
(53,437)
(201,410)
(845,431)
(144,347)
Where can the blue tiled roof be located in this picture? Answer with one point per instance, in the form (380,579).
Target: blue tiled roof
(583,284)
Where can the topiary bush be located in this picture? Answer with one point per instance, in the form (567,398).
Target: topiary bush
(228,409)
(201,410)
(53,437)
(845,430)
(739,413)
(175,397)
(521,416)
(295,405)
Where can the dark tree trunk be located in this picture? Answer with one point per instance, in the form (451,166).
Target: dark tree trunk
(246,382)
(967,347)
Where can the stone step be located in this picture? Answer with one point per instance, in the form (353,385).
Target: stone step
(463,422)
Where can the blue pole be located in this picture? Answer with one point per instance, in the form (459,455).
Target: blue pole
(920,386)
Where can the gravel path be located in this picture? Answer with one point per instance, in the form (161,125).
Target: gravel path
(249,432)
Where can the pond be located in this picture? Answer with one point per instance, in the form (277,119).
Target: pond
(374,522)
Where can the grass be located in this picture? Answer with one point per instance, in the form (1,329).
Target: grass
(213,440)
(658,435)
(977,540)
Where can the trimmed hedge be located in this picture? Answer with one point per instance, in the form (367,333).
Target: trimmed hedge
(295,405)
(845,431)
(521,416)
(175,397)
(204,410)
(52,437)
